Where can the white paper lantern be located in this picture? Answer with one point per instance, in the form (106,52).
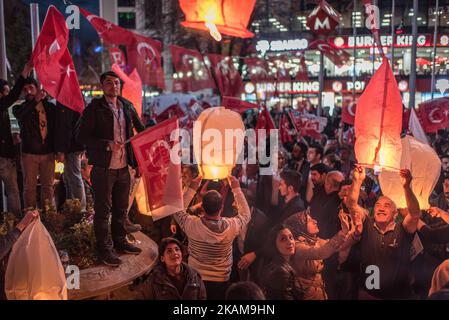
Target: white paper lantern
(425,166)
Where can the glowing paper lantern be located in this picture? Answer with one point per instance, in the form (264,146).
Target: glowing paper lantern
(425,166)
(228,17)
(218,136)
(378,121)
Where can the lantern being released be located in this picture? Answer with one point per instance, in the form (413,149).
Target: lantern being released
(378,121)
(425,166)
(228,17)
(218,137)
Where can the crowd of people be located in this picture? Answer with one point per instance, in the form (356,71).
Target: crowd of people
(317,228)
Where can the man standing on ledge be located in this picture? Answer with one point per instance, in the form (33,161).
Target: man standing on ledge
(106,124)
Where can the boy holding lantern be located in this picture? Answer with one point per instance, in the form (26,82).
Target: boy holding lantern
(384,243)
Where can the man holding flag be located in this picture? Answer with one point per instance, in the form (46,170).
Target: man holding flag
(107,123)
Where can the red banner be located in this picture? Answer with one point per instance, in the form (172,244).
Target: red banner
(258,69)
(238,105)
(132,87)
(338,56)
(145,54)
(434,114)
(117,57)
(53,62)
(264,122)
(308,125)
(227,76)
(349,107)
(108,31)
(192,72)
(302,75)
(284,130)
(160,167)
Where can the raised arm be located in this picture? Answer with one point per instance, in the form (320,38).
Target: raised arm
(184,219)
(440,213)
(410,222)
(244,213)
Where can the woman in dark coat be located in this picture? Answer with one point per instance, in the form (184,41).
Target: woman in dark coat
(172,279)
(279,281)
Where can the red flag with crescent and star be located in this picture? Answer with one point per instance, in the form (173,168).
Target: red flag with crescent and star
(228,78)
(160,166)
(53,62)
(192,72)
(144,54)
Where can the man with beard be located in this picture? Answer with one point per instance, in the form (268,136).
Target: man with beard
(37,118)
(384,243)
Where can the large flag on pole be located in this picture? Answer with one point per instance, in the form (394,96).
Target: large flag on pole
(160,167)
(53,62)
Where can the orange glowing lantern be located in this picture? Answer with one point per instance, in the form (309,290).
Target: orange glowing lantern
(378,122)
(228,17)
(218,137)
(425,166)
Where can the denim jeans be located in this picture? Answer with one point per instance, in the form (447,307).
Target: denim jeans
(34,166)
(111,188)
(8,175)
(72,178)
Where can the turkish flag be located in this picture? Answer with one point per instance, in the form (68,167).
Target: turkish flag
(258,70)
(284,130)
(228,78)
(264,122)
(174,110)
(53,62)
(378,121)
(132,87)
(308,125)
(193,74)
(348,110)
(434,114)
(108,31)
(160,166)
(281,67)
(302,75)
(145,54)
(237,105)
(117,57)
(338,56)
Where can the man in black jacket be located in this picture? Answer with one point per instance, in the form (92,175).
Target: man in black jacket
(8,171)
(105,126)
(36,118)
(289,188)
(70,152)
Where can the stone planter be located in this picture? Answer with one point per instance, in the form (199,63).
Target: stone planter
(100,281)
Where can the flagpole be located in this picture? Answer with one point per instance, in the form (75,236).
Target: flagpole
(3,68)
(392,33)
(354,50)
(321,80)
(35,26)
(434,52)
(412,78)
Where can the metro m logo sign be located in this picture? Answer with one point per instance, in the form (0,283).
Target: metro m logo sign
(323,19)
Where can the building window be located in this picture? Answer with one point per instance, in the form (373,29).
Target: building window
(127,20)
(126,3)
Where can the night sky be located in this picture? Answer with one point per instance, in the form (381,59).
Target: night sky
(87,33)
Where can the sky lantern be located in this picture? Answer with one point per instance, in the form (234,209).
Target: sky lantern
(218,137)
(378,122)
(229,17)
(424,164)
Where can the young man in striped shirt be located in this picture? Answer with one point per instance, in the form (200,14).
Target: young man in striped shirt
(211,236)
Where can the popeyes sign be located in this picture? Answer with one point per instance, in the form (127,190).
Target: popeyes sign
(365,41)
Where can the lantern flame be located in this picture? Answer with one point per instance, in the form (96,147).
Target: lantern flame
(210,18)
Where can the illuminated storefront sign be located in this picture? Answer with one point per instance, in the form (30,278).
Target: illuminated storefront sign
(298,87)
(364,41)
(263,46)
